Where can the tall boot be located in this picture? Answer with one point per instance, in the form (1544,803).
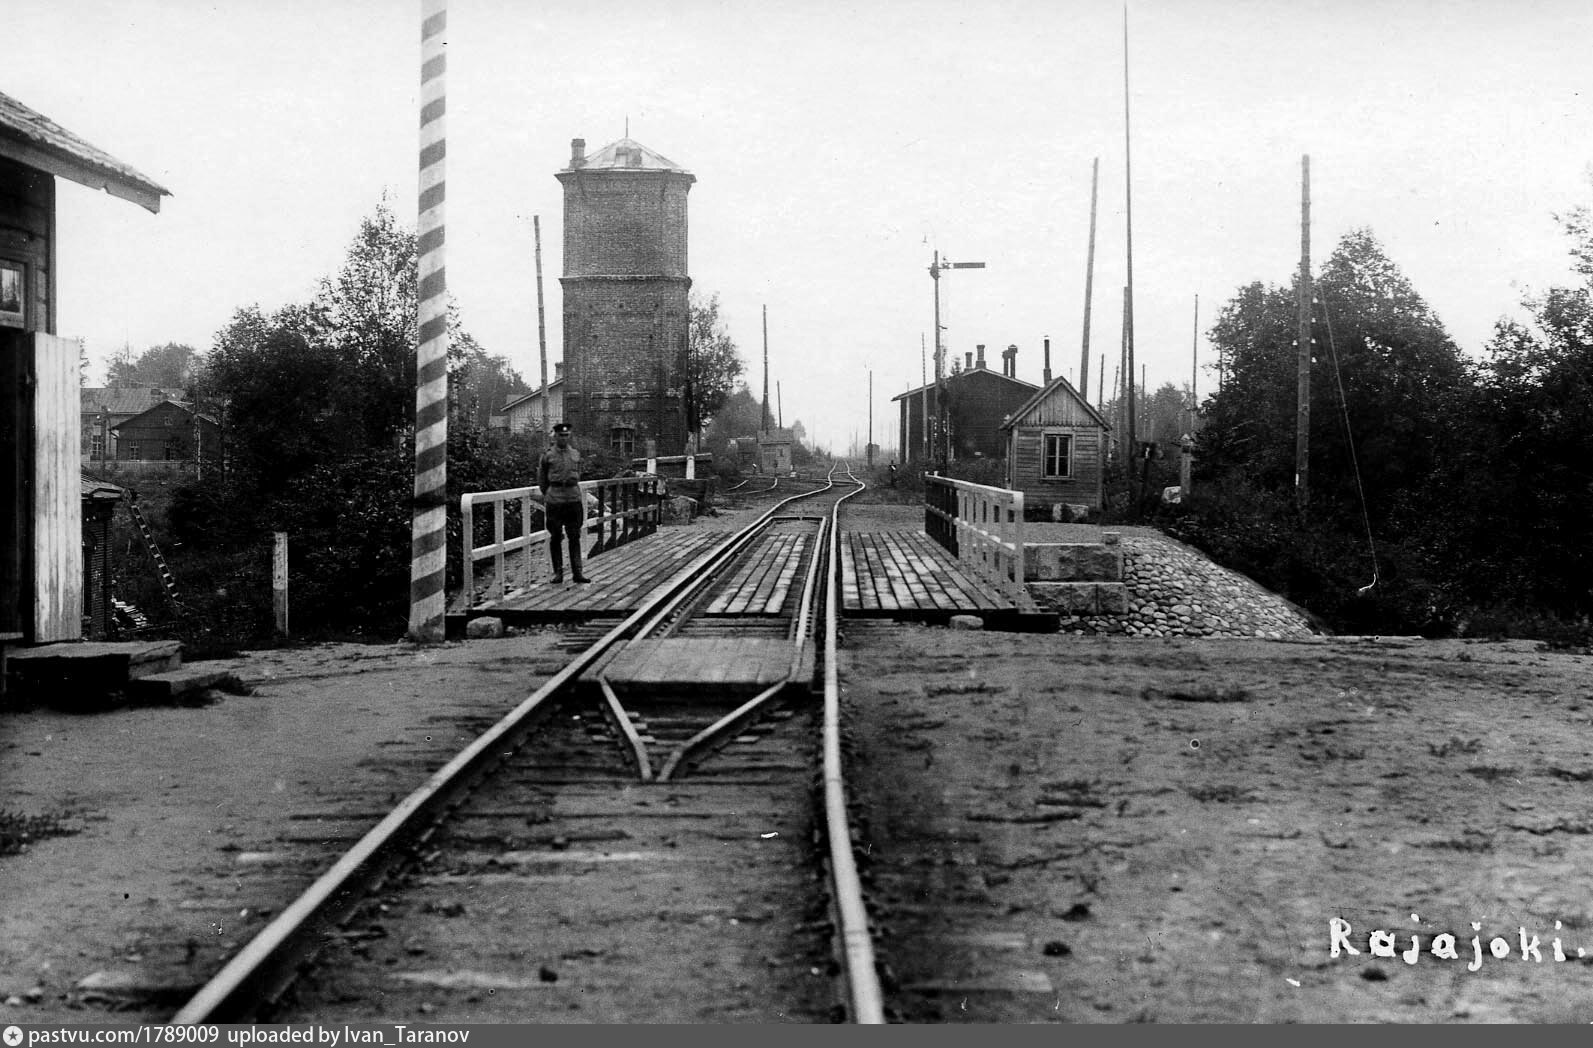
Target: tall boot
(575,562)
(558,564)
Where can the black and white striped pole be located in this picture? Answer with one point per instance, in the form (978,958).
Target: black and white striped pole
(428,551)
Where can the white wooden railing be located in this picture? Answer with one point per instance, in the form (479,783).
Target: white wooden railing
(618,510)
(980,525)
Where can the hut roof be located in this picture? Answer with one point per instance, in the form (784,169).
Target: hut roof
(33,139)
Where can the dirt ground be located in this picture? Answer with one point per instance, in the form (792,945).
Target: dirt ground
(1164,830)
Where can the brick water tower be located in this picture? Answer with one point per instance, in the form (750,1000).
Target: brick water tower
(625,288)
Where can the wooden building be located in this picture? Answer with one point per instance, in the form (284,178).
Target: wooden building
(625,289)
(774,451)
(103,409)
(41,514)
(1056,448)
(168,432)
(523,413)
(977,401)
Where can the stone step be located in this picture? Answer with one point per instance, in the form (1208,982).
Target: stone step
(184,684)
(83,674)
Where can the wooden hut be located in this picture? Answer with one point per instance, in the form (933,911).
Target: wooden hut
(41,516)
(1056,449)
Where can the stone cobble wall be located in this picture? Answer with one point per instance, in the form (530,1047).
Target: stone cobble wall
(1176,592)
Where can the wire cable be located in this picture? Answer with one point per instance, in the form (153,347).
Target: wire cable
(1349,436)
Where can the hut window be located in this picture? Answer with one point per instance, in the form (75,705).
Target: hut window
(96,445)
(13,293)
(1058,455)
(132,449)
(622,439)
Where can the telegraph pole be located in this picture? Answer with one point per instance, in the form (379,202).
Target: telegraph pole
(763,424)
(1302,422)
(542,329)
(1128,288)
(869,448)
(1089,282)
(940,370)
(1194,366)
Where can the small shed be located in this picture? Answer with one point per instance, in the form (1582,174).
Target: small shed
(774,450)
(1056,448)
(99,506)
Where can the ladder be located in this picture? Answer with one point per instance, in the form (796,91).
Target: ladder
(154,551)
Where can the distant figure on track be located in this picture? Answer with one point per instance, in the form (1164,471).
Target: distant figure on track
(559,477)
(893,473)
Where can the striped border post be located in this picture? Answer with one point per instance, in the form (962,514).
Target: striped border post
(428,551)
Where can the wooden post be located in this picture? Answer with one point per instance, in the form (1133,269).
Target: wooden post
(1194,367)
(429,511)
(279,579)
(1128,288)
(1302,422)
(1089,284)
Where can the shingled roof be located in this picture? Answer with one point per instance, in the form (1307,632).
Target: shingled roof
(33,139)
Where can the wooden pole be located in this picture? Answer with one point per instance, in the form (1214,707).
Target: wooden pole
(1302,424)
(1194,366)
(1128,289)
(763,423)
(1100,386)
(279,579)
(940,393)
(923,399)
(542,329)
(1089,281)
(429,515)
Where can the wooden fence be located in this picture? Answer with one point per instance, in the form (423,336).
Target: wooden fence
(979,525)
(617,511)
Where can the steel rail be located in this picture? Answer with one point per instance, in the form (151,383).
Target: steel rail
(742,714)
(857,943)
(269,962)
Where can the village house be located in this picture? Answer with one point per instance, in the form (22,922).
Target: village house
(144,424)
(977,401)
(523,414)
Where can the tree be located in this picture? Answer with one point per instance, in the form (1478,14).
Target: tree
(169,366)
(317,407)
(711,363)
(1375,338)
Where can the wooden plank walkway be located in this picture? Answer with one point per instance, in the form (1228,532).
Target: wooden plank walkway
(621,580)
(907,575)
(894,574)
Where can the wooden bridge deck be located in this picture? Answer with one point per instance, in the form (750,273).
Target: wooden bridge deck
(895,574)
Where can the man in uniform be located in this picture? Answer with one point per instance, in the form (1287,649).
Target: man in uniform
(559,476)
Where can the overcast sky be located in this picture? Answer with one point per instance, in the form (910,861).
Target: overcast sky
(836,145)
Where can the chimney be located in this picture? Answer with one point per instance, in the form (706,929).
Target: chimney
(577,152)
(1009,362)
(981,364)
(1045,379)
(968,358)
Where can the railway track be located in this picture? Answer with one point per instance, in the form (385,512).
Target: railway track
(622,834)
